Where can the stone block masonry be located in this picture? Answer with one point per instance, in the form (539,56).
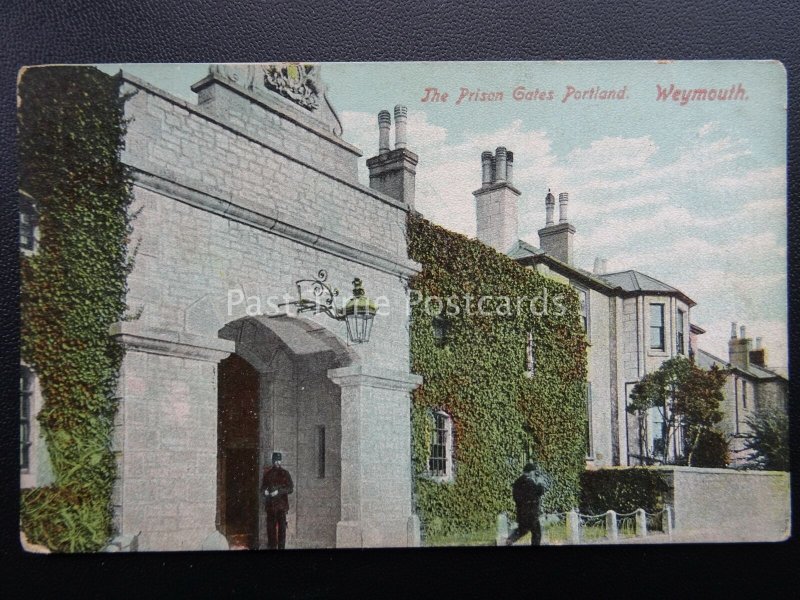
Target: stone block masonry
(246,193)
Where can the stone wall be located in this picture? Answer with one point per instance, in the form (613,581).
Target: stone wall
(727,505)
(599,376)
(237,199)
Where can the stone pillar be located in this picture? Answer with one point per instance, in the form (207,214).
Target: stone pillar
(166,437)
(611,526)
(641,523)
(375,453)
(573,527)
(667,520)
(502,530)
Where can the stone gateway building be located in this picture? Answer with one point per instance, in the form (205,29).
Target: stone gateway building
(238,196)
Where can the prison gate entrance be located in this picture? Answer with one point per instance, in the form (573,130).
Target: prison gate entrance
(275,396)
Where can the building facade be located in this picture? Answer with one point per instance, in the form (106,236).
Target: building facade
(750,386)
(633,321)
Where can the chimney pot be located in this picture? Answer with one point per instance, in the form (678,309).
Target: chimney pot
(500,164)
(496,210)
(758,343)
(486,168)
(393,172)
(384,125)
(563,199)
(549,205)
(509,167)
(742,332)
(600,265)
(733,330)
(400,120)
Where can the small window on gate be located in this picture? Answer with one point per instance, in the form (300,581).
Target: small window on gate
(321,451)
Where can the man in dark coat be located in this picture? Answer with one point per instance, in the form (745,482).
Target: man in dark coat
(276,485)
(528,490)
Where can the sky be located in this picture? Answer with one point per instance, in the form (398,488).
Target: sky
(692,193)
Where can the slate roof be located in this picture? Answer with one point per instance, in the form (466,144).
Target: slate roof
(705,360)
(523,250)
(636,281)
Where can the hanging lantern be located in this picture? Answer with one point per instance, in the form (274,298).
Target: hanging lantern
(359,313)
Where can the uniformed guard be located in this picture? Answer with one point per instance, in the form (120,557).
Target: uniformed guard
(276,485)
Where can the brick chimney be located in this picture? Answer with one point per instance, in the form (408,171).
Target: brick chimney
(758,356)
(496,201)
(556,238)
(393,172)
(739,348)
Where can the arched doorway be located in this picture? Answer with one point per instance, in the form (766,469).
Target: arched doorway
(275,395)
(237,452)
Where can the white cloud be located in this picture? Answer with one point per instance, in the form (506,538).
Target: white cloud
(768,181)
(707,128)
(612,154)
(702,221)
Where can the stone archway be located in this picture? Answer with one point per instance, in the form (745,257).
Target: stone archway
(298,412)
(317,397)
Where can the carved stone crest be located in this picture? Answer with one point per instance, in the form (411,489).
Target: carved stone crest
(299,83)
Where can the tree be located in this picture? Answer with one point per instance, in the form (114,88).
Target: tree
(770,439)
(687,400)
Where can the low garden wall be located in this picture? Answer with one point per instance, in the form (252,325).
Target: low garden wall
(708,505)
(729,505)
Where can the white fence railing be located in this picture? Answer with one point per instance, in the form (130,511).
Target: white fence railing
(573,527)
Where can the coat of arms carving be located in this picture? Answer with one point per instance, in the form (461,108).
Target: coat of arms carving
(296,82)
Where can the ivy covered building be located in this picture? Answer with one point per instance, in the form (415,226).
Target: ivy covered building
(165,366)
(168,373)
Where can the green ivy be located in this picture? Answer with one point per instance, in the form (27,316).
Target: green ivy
(478,376)
(71,131)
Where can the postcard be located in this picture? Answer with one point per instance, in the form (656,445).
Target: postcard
(283,306)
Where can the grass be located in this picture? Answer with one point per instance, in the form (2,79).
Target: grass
(484,537)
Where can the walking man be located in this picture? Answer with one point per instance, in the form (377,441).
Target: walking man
(528,490)
(276,486)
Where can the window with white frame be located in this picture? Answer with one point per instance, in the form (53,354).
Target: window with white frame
(530,355)
(583,298)
(441,327)
(679,336)
(527,445)
(440,461)
(589,436)
(28,223)
(656,326)
(25,394)
(656,432)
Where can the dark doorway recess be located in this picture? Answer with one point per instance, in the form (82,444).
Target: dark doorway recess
(237,452)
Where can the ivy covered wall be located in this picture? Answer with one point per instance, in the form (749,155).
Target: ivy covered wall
(71,132)
(477,373)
